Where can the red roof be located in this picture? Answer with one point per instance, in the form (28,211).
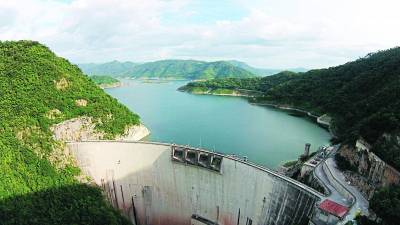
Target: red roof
(333,208)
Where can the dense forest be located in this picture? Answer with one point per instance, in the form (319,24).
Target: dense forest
(169,69)
(262,71)
(255,83)
(101,80)
(189,69)
(35,188)
(362,96)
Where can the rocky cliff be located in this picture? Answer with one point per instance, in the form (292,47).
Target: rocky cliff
(83,129)
(372,172)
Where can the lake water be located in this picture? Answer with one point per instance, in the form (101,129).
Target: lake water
(225,124)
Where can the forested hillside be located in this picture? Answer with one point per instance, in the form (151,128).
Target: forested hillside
(113,68)
(262,71)
(169,69)
(188,69)
(362,96)
(99,80)
(257,83)
(38,182)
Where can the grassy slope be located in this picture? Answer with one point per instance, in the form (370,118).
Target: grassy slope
(34,190)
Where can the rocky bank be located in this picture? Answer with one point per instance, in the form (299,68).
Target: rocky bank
(83,129)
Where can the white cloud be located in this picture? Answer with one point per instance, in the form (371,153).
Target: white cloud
(285,33)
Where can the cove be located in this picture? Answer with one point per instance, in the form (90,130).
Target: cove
(229,125)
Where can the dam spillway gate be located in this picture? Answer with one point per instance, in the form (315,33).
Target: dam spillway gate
(164,184)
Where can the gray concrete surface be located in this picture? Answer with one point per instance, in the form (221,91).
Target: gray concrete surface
(142,181)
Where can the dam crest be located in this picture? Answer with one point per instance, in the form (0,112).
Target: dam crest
(166,184)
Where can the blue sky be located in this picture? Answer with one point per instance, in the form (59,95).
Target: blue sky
(263,33)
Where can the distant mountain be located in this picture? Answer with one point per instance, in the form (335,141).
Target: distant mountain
(262,71)
(183,69)
(189,69)
(113,68)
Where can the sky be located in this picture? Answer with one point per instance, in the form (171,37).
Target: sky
(263,33)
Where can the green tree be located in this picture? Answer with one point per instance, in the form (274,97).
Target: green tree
(386,204)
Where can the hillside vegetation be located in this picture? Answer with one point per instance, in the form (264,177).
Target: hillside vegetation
(103,80)
(262,71)
(38,182)
(188,69)
(106,81)
(174,69)
(257,83)
(113,68)
(362,96)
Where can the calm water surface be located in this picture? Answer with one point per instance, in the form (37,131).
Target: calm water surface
(225,124)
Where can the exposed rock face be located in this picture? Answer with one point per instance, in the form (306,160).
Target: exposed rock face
(113,85)
(83,128)
(53,114)
(81,102)
(61,84)
(80,129)
(77,129)
(135,133)
(373,172)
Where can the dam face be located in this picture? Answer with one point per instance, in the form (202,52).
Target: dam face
(160,184)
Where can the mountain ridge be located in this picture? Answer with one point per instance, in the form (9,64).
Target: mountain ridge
(169,68)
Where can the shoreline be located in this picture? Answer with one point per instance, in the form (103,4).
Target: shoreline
(112,85)
(287,108)
(134,133)
(316,118)
(209,93)
(235,93)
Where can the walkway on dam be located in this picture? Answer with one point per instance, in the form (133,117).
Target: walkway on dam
(338,187)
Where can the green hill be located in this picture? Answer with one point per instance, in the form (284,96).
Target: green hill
(175,69)
(188,69)
(260,84)
(362,96)
(103,80)
(113,68)
(38,183)
(262,71)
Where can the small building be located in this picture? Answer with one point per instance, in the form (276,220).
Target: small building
(328,212)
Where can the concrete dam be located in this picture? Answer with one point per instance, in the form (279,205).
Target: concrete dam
(164,184)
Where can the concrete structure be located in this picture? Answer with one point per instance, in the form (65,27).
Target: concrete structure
(329,213)
(324,120)
(162,184)
(307,149)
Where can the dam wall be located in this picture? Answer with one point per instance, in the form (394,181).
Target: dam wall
(163,184)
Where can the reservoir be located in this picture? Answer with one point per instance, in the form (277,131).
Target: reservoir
(225,124)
